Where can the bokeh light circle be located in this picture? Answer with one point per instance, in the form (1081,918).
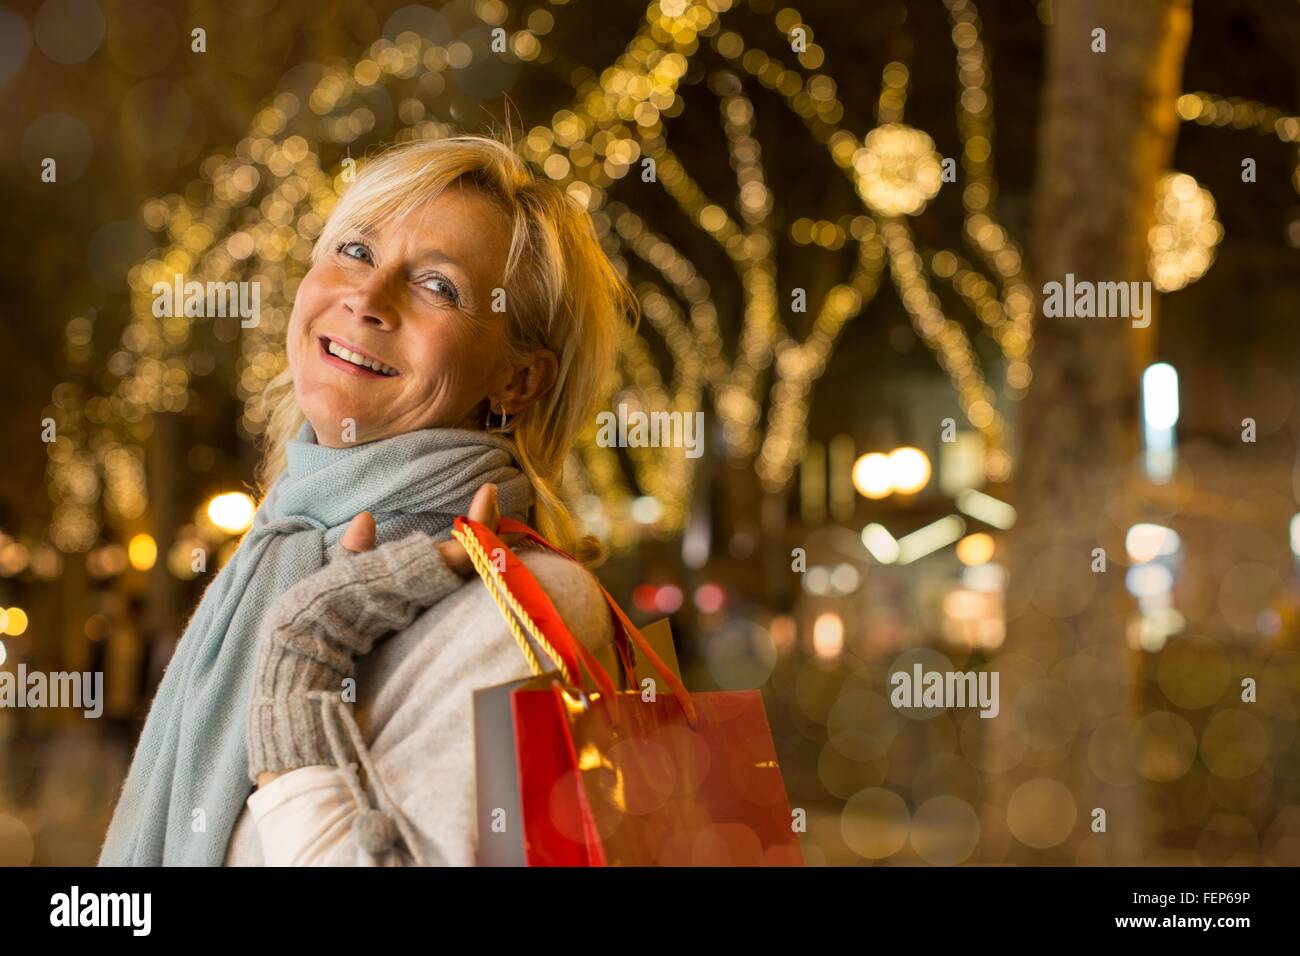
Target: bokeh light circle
(1041,813)
(945,831)
(69,31)
(875,823)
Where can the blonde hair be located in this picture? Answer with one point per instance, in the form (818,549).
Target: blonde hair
(563,291)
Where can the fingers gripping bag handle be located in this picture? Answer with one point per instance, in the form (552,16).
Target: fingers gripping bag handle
(527,608)
(621,621)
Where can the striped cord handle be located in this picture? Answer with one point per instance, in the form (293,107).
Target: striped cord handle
(509,607)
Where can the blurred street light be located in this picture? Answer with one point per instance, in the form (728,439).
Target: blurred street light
(232,512)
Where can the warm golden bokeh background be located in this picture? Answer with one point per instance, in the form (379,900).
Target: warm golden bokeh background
(906,462)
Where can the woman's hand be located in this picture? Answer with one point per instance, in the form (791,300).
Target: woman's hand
(360,534)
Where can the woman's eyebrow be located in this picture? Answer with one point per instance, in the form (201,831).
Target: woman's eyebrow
(437,255)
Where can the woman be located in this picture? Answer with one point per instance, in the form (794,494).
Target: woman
(457,326)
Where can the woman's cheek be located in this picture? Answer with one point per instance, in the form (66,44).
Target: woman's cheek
(461,371)
(298,349)
(292,353)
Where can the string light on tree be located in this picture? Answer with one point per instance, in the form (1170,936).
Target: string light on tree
(1182,240)
(897,170)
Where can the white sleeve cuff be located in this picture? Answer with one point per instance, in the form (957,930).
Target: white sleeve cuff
(304,817)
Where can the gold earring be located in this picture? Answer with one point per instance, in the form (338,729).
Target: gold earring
(502,412)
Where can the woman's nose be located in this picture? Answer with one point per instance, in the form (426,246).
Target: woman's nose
(372,301)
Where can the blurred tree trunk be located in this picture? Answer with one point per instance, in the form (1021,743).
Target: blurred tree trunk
(1060,748)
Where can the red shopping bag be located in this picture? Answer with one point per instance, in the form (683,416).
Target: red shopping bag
(624,778)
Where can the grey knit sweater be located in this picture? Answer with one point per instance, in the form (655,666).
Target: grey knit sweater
(413,706)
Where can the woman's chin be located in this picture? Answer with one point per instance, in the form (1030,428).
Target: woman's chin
(330,401)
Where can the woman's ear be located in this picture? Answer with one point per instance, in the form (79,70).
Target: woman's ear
(530,382)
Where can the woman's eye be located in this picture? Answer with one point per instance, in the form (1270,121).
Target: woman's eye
(442,287)
(348,247)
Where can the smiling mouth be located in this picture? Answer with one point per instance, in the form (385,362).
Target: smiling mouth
(349,360)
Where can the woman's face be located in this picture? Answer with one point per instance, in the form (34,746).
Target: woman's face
(394,330)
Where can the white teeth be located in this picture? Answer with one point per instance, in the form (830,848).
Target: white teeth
(356,359)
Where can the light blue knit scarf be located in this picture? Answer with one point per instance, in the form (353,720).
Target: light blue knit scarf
(189,777)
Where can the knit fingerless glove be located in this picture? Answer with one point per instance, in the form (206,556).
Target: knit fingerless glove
(317,629)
